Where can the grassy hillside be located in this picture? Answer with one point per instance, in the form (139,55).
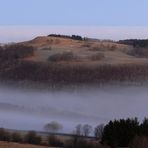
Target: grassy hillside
(84,51)
(67,61)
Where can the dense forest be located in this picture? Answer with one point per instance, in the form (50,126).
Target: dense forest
(126,133)
(74,37)
(135,42)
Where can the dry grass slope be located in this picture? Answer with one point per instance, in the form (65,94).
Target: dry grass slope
(114,53)
(60,60)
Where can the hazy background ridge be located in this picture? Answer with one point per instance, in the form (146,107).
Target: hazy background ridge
(21,33)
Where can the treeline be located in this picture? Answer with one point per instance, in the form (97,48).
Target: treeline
(54,73)
(118,133)
(135,42)
(125,133)
(32,137)
(74,37)
(15,51)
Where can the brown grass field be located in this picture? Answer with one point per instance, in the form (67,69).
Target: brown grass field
(17,145)
(113,53)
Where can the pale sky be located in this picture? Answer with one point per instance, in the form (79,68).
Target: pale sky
(74,12)
(104,19)
(21,33)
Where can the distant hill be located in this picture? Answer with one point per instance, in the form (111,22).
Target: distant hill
(62,59)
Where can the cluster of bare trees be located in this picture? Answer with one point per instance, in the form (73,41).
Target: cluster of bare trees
(86,130)
(15,51)
(83,130)
(72,74)
(81,139)
(31,137)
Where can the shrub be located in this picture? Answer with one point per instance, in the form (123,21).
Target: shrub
(97,48)
(15,51)
(16,137)
(47,48)
(86,44)
(4,135)
(79,142)
(139,142)
(50,41)
(57,41)
(139,52)
(1,48)
(32,138)
(113,47)
(102,46)
(54,142)
(65,56)
(97,57)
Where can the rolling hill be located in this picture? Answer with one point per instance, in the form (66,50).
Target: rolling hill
(58,60)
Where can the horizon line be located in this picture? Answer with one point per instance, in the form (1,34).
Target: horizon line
(19,33)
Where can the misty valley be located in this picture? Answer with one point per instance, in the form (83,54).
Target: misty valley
(74,92)
(73,74)
(32,109)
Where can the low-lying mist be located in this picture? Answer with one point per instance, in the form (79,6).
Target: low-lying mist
(32,109)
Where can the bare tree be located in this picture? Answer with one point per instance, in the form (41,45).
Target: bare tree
(32,138)
(98,132)
(87,129)
(78,130)
(53,127)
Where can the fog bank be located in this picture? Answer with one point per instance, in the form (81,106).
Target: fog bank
(31,110)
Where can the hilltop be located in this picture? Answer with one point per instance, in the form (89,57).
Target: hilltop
(85,51)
